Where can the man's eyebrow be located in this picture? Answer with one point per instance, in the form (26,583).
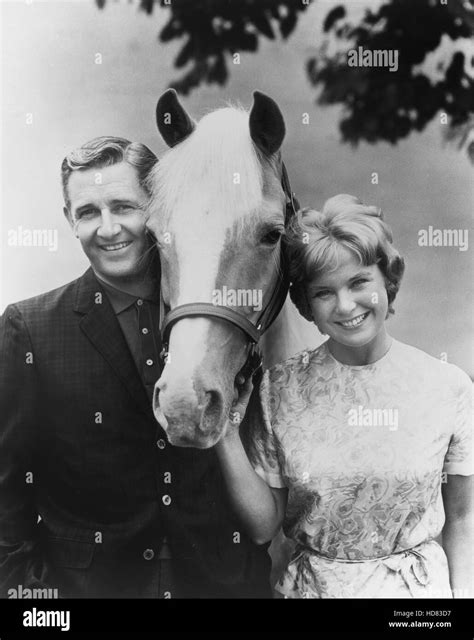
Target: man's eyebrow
(114,202)
(83,207)
(124,200)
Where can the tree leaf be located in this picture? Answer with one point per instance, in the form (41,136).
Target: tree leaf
(333,16)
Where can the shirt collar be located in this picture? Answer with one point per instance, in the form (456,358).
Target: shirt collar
(121,300)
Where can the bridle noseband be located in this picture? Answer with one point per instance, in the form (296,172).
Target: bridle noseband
(253,331)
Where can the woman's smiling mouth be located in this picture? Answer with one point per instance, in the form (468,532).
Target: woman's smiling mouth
(354,322)
(116,246)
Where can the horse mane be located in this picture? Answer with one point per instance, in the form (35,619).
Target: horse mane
(218,168)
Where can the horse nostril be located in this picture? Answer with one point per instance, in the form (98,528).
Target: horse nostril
(160,384)
(212,412)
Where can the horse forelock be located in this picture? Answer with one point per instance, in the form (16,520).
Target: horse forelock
(217,171)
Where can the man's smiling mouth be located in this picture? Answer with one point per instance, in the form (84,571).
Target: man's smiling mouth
(115,247)
(354,322)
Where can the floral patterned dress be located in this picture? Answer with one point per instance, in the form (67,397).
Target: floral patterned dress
(363,451)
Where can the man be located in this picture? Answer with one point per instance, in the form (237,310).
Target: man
(94,501)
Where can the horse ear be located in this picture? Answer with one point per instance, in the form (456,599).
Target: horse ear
(267,127)
(173,122)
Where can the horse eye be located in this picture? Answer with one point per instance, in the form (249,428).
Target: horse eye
(272,237)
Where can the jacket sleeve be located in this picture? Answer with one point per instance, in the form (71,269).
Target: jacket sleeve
(19,415)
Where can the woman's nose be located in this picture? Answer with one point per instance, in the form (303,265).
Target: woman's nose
(345,303)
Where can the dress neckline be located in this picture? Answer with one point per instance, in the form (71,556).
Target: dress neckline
(361,366)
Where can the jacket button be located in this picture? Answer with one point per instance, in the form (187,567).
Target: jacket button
(166,500)
(148,554)
(161,444)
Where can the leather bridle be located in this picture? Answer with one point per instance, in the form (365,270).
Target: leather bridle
(252,331)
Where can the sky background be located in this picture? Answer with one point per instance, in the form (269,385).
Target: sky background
(48,69)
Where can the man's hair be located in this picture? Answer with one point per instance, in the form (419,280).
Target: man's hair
(313,239)
(103,152)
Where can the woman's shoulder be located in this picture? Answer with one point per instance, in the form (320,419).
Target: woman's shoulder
(282,387)
(297,365)
(419,363)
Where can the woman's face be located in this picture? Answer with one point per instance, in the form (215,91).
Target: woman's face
(350,303)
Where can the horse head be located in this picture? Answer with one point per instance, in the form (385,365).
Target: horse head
(218,213)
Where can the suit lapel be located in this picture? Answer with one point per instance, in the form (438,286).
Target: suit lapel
(102,328)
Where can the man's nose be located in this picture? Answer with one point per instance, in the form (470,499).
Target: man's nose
(345,302)
(108,227)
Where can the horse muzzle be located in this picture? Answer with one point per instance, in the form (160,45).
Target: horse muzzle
(191,414)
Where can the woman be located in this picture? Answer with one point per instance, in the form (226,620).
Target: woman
(363,445)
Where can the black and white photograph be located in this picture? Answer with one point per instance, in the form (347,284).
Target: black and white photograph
(236,315)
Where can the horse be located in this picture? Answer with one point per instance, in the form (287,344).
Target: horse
(218,207)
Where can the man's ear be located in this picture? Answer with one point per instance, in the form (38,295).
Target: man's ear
(67,215)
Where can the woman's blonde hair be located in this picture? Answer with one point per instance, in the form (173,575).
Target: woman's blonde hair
(313,238)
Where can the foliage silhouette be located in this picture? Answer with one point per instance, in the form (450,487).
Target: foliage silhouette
(219,28)
(384,105)
(378,104)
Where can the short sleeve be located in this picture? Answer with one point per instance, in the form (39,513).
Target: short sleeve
(263,447)
(459,458)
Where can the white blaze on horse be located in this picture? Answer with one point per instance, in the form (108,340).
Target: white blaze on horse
(218,212)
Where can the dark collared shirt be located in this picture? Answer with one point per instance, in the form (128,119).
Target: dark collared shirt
(139,320)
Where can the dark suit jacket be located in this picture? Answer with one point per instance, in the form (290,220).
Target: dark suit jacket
(78,446)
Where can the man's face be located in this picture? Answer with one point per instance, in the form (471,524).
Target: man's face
(107,207)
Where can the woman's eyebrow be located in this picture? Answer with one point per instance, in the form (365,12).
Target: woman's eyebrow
(313,287)
(364,274)
(360,274)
